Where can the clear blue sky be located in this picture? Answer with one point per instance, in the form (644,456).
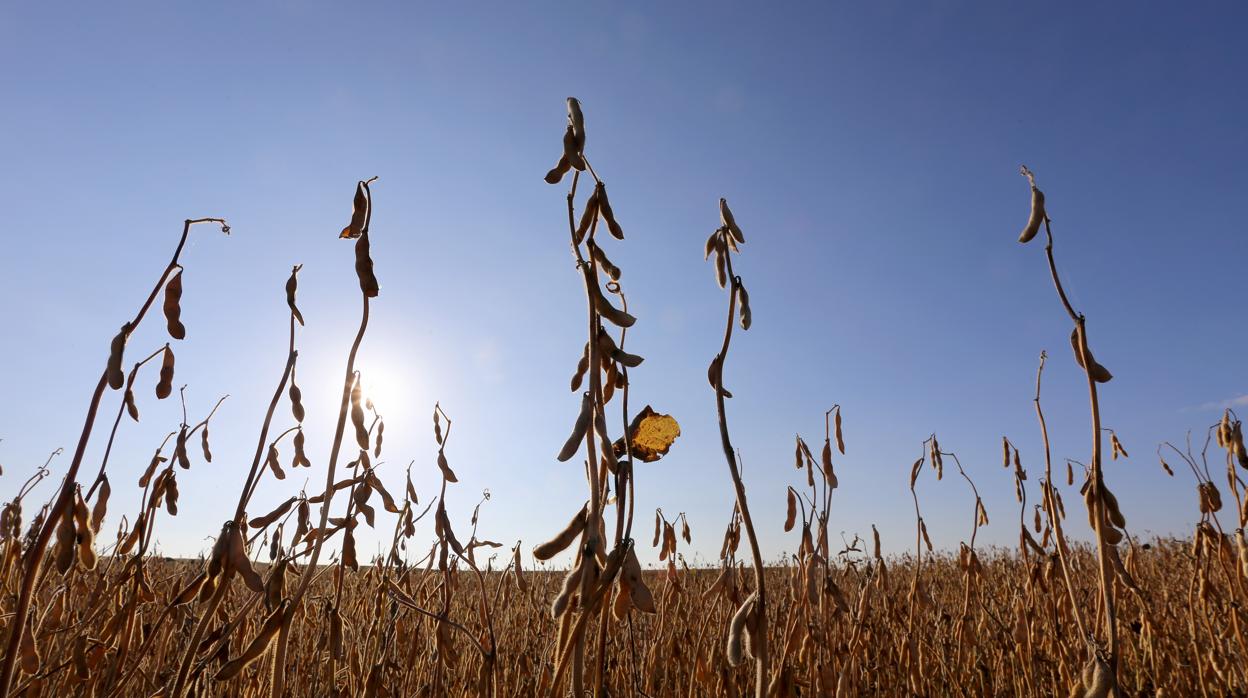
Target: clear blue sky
(869,150)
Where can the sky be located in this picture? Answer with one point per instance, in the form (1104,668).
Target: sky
(870,152)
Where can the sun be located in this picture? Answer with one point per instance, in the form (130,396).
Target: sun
(387,386)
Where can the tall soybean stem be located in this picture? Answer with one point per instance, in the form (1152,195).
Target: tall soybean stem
(277,688)
(760,640)
(1098,479)
(34,556)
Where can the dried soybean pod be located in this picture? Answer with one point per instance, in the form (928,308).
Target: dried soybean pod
(170,487)
(140,526)
(604,206)
(364,267)
(189,592)
(721,268)
(101,503)
(712,243)
(275,585)
(574,137)
(669,542)
(381,433)
(292,284)
(387,500)
(555,175)
(164,387)
(66,539)
(573,444)
(626,359)
(28,650)
(359,213)
(612,271)
(1036,218)
(359,497)
(258,645)
(1117,446)
(744,297)
(146,477)
(348,550)
(1099,680)
(117,350)
(577,121)
(1215,497)
(587,217)
(262,521)
(736,629)
(581,367)
(1098,372)
(274,464)
(304,512)
(570,581)
(725,217)
(445,467)
(131,408)
(638,592)
(560,542)
(301,458)
(296,399)
(172,306)
(1237,442)
(1111,507)
(840,440)
(790,517)
(411,490)
(179,450)
(357,413)
(607,451)
(714,378)
(236,555)
(521,582)
(203,444)
(604,308)
(217,559)
(570,151)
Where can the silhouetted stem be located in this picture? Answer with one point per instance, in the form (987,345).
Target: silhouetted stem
(34,556)
(1098,478)
(759,648)
(1051,505)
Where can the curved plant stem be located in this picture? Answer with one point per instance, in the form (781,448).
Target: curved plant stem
(759,649)
(1098,478)
(34,556)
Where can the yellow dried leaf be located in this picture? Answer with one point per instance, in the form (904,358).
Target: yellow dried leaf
(651,435)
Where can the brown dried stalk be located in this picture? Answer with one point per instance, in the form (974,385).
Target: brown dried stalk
(35,555)
(1095,373)
(722,242)
(360,219)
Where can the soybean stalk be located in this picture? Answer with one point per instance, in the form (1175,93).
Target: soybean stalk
(277,686)
(34,556)
(723,241)
(1098,499)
